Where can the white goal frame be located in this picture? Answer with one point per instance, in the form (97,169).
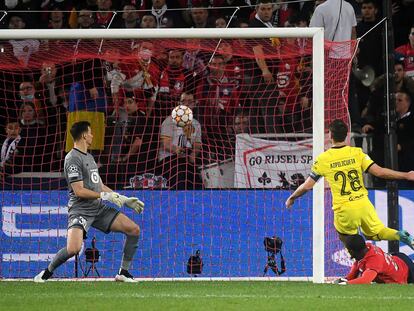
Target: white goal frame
(317,35)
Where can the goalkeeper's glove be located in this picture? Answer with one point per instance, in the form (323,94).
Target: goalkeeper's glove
(136,204)
(114,197)
(340,281)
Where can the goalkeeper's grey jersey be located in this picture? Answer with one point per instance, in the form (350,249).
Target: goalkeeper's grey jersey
(82,166)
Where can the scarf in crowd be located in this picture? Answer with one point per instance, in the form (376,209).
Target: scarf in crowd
(176,81)
(159,14)
(8,148)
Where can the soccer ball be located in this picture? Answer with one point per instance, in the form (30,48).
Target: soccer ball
(182,115)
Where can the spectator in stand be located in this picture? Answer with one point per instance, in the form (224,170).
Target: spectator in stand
(283,11)
(104,14)
(165,18)
(402,19)
(402,81)
(339,22)
(34,134)
(51,5)
(241,123)
(337,28)
(27,93)
(142,77)
(241,23)
(241,44)
(22,49)
(263,90)
(407,51)
(178,154)
(200,16)
(51,88)
(294,85)
(238,68)
(12,150)
(28,118)
(130,17)
(174,80)
(405,137)
(373,118)
(235,66)
(372,264)
(370,48)
(148,21)
(195,58)
(57,20)
(220,22)
(218,96)
(85,19)
(134,157)
(31,19)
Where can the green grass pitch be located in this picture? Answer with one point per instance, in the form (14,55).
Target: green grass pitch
(217,295)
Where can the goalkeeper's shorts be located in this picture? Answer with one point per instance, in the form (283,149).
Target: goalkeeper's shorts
(350,216)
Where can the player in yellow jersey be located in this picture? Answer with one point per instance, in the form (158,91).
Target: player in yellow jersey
(342,166)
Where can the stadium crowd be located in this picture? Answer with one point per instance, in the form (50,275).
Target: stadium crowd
(128,101)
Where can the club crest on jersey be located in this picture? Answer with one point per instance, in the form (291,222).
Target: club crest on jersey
(95,176)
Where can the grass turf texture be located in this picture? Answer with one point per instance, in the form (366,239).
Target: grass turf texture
(203,296)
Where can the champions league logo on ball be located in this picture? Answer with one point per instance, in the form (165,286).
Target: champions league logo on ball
(147,181)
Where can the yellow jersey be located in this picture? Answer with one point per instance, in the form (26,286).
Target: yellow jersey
(342,167)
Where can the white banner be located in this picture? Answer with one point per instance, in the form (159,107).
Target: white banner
(272,164)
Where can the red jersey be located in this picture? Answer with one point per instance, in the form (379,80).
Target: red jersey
(389,269)
(408,53)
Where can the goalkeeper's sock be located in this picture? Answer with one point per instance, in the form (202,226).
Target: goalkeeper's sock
(130,247)
(60,258)
(387,234)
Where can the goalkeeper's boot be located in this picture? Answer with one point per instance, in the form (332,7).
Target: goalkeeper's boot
(125,276)
(406,238)
(42,276)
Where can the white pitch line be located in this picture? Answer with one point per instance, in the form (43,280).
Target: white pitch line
(183,279)
(208,296)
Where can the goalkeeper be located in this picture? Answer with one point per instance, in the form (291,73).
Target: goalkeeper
(86,208)
(342,166)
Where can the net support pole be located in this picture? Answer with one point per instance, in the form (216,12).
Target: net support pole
(318,212)
(390,139)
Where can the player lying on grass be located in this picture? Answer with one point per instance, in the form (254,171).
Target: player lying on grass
(342,166)
(86,207)
(372,264)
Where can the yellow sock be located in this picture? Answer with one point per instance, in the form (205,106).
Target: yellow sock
(388,234)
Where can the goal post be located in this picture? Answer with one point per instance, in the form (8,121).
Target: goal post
(318,90)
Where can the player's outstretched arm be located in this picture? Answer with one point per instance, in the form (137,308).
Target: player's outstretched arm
(107,194)
(136,204)
(301,190)
(387,173)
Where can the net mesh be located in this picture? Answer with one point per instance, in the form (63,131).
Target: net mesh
(248,146)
